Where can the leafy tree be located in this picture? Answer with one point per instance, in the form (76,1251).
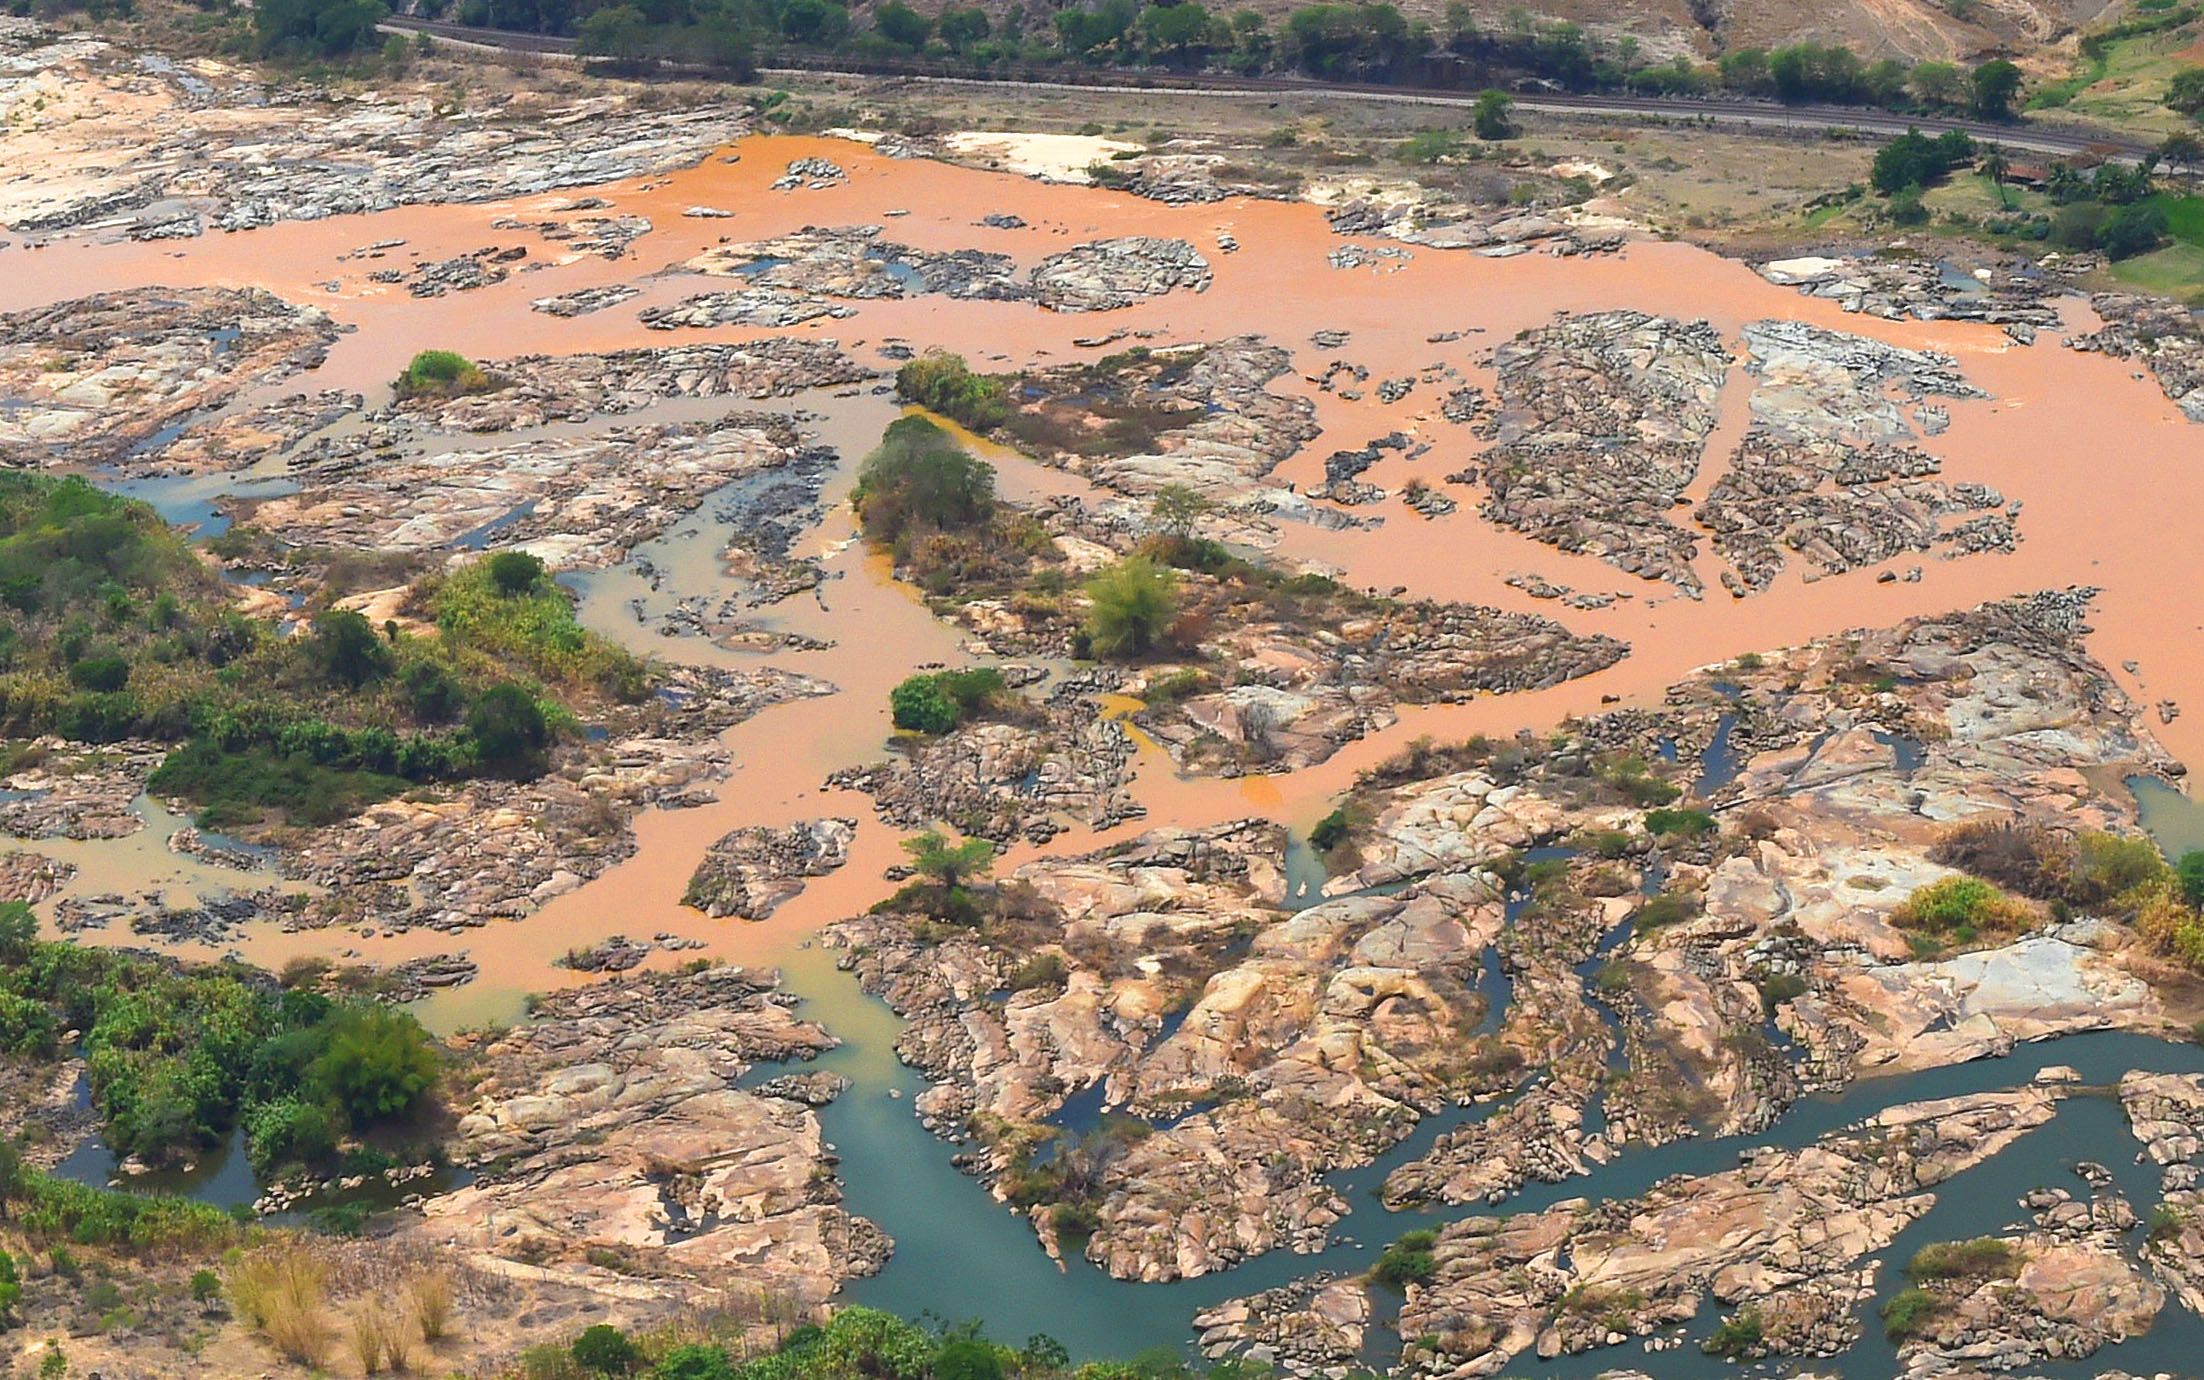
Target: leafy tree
(1178,33)
(379,1064)
(2133,230)
(317,28)
(1175,509)
(1083,33)
(2179,149)
(901,25)
(515,572)
(11,1288)
(967,1358)
(606,1350)
(1341,40)
(621,33)
(960,29)
(509,730)
(950,864)
(1913,160)
(941,382)
(1995,166)
(19,930)
(2190,873)
(347,650)
(919,705)
(434,693)
(694,1361)
(1134,602)
(2185,92)
(1994,84)
(820,22)
(1938,84)
(1491,117)
(919,477)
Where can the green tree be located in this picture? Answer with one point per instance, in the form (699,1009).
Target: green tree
(1994,167)
(2189,872)
(967,1358)
(18,932)
(1175,509)
(1179,34)
(919,705)
(317,28)
(950,864)
(941,382)
(962,28)
(901,25)
(379,1064)
(605,1350)
(694,1361)
(820,22)
(509,730)
(2185,92)
(11,1289)
(1938,84)
(515,572)
(620,33)
(1995,83)
(1133,604)
(347,650)
(1492,117)
(919,477)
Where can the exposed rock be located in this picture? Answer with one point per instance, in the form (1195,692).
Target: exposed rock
(88,381)
(2165,336)
(535,389)
(753,871)
(1105,275)
(612,1122)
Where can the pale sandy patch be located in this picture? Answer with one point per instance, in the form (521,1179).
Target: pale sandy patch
(1057,157)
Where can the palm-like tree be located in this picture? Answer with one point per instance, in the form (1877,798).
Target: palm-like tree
(1995,166)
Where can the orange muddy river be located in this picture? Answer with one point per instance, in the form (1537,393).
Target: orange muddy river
(2111,476)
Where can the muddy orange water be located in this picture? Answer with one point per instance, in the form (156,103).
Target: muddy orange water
(2111,476)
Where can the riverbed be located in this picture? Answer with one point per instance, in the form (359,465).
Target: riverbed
(2088,449)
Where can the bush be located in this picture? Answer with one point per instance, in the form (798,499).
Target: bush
(606,1350)
(1678,823)
(1134,602)
(515,572)
(379,1064)
(1985,1257)
(1959,904)
(509,730)
(2190,874)
(919,478)
(286,1132)
(348,651)
(441,374)
(938,702)
(1407,1261)
(1739,1335)
(1907,1313)
(281,1291)
(941,382)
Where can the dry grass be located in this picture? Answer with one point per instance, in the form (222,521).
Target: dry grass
(282,1291)
(430,1294)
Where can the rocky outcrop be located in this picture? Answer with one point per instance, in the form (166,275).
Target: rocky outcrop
(580,502)
(1580,1275)
(855,262)
(70,791)
(1008,780)
(89,381)
(770,307)
(2164,336)
(1106,275)
(617,1152)
(2166,1114)
(211,144)
(753,871)
(1600,424)
(535,389)
(501,849)
(1897,286)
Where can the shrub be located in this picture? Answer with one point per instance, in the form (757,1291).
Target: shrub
(1739,1335)
(1778,988)
(1134,601)
(1959,903)
(919,478)
(441,374)
(1407,1261)
(2190,872)
(429,1293)
(1330,831)
(348,651)
(967,1358)
(1678,823)
(941,382)
(1985,1257)
(1907,1313)
(379,1064)
(510,730)
(938,702)
(515,572)
(606,1350)
(288,1131)
(281,1291)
